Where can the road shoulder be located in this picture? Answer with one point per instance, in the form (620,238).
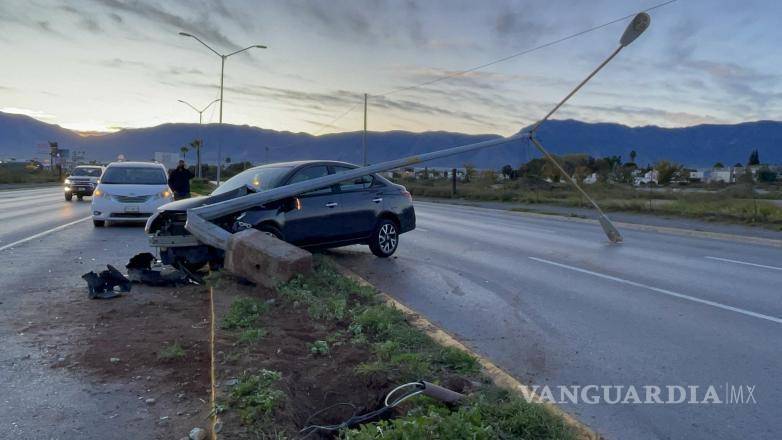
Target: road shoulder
(499,376)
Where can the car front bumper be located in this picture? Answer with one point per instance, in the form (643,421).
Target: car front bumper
(107,208)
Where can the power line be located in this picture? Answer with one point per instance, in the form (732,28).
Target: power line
(523,52)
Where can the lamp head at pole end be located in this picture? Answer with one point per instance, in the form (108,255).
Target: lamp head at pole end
(636,27)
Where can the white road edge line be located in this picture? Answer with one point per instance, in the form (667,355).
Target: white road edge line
(41,234)
(746,263)
(663,291)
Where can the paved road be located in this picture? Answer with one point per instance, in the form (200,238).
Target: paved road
(547,299)
(554,304)
(38,401)
(26,212)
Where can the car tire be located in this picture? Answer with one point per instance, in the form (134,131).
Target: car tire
(99,223)
(385,239)
(68,197)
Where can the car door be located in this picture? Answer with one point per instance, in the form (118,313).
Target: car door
(316,220)
(361,201)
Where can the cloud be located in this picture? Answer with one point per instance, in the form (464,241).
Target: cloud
(205,28)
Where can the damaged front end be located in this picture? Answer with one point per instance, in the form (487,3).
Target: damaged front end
(178,247)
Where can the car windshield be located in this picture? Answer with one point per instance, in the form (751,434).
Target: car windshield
(259,179)
(89,172)
(134,176)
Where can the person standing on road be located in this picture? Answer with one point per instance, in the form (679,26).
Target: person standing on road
(179,181)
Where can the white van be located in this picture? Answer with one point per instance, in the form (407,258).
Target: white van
(130,192)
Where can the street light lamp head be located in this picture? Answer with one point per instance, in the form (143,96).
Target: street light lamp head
(185,34)
(260,46)
(635,28)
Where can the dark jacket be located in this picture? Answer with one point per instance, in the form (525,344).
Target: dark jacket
(179,180)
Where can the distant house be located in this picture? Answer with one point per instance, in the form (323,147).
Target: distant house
(697,176)
(720,175)
(647,178)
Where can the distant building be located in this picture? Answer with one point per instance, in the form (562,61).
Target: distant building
(170,160)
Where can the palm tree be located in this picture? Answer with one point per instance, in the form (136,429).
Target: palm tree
(633,155)
(184,151)
(196,145)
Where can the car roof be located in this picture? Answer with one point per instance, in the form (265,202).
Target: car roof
(301,163)
(136,164)
(89,166)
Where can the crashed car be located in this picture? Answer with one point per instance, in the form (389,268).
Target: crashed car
(368,210)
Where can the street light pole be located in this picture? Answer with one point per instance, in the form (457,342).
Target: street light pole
(222,75)
(200,121)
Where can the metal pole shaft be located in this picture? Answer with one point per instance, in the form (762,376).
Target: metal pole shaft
(220,145)
(364,138)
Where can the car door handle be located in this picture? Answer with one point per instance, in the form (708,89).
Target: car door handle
(377,199)
(331,204)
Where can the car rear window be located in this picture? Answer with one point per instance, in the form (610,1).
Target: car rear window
(134,176)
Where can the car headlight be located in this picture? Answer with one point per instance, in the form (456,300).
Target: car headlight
(99,193)
(165,194)
(68,181)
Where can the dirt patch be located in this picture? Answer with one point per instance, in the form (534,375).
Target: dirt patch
(152,342)
(309,381)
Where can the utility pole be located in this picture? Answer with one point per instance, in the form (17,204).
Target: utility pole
(200,141)
(364,138)
(223,57)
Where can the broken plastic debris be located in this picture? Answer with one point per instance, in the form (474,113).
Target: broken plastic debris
(101,286)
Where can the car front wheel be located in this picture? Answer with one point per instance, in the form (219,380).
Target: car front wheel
(385,239)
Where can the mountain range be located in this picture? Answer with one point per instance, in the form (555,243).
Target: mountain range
(696,146)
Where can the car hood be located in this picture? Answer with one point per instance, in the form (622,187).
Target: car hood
(195,202)
(132,190)
(83,179)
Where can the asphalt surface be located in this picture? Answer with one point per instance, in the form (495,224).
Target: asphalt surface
(553,303)
(38,401)
(547,299)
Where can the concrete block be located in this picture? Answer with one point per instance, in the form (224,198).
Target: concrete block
(264,259)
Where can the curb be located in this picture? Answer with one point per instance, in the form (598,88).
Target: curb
(499,376)
(747,239)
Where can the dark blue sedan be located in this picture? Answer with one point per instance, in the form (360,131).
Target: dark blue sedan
(368,210)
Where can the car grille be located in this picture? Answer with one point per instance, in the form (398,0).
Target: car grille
(131,199)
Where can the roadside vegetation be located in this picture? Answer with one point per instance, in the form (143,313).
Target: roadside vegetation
(330,340)
(201,187)
(754,204)
(16,172)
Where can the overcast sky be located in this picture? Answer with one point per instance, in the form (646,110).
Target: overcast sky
(106,64)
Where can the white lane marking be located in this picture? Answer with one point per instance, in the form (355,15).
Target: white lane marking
(663,291)
(422,229)
(41,234)
(746,263)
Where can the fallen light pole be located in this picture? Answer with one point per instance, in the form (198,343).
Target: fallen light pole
(199,219)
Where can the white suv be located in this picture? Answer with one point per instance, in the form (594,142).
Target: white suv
(130,191)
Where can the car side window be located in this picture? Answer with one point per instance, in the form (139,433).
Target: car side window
(309,173)
(357,184)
